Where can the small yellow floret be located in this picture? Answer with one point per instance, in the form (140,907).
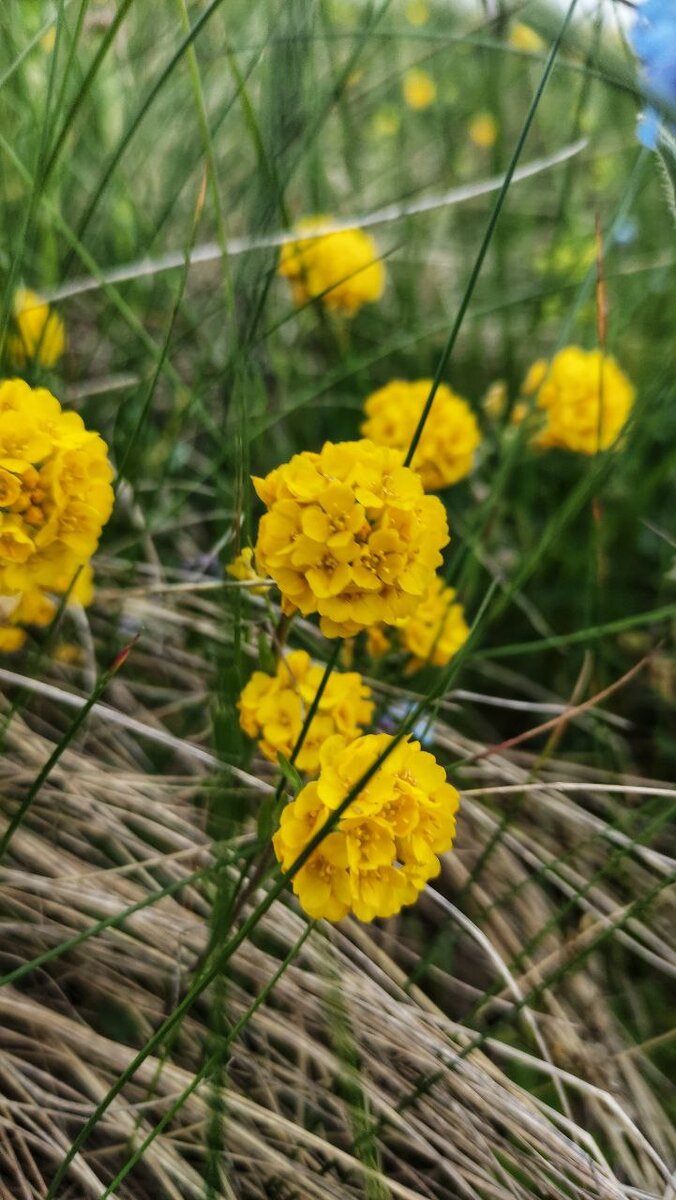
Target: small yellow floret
(483,130)
(272,708)
(420,90)
(385,846)
(585,397)
(340,269)
(450,437)
(243,567)
(39,335)
(523,37)
(417,12)
(349,534)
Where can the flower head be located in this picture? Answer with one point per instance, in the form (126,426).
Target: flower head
(586,399)
(350,535)
(39,333)
(340,269)
(420,90)
(386,843)
(450,437)
(55,494)
(654,39)
(483,130)
(273,708)
(523,37)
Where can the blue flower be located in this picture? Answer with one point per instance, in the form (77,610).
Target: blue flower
(654,40)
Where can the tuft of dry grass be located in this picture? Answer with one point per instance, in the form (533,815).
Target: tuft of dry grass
(502,1072)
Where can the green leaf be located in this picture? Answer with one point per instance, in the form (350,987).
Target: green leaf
(290,773)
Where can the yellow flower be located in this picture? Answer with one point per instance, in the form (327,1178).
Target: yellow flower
(48,40)
(39,335)
(437,629)
(11,639)
(385,845)
(420,90)
(483,130)
(272,708)
(69,654)
(350,535)
(585,397)
(522,37)
(28,608)
(340,269)
(495,400)
(417,12)
(446,450)
(34,608)
(243,567)
(55,493)
(377,642)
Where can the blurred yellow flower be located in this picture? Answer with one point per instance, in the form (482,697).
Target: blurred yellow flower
(420,90)
(39,332)
(522,37)
(350,535)
(483,130)
(272,708)
(12,638)
(377,642)
(450,438)
(385,846)
(68,654)
(243,567)
(417,12)
(48,40)
(433,633)
(386,123)
(340,269)
(437,628)
(494,402)
(586,399)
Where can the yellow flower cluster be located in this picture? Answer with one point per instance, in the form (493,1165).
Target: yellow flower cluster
(433,634)
(55,492)
(39,334)
(341,269)
(446,450)
(349,534)
(272,708)
(586,399)
(420,90)
(384,847)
